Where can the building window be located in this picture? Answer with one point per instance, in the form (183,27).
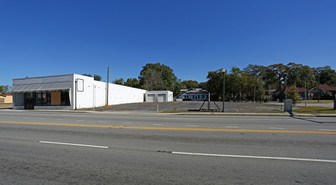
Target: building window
(54,98)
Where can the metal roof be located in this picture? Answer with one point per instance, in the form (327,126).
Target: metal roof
(50,83)
(40,87)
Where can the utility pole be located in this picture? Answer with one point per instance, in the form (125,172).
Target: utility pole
(107,84)
(318,89)
(223,70)
(305,92)
(254,92)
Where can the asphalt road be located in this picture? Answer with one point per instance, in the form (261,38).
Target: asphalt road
(125,148)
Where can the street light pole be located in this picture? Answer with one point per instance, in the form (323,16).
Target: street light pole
(223,70)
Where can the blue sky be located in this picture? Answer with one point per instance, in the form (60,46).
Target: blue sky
(50,37)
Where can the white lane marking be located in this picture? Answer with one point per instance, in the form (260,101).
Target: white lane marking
(42,118)
(276,128)
(158,124)
(231,127)
(332,130)
(102,121)
(59,119)
(72,144)
(79,120)
(256,157)
(191,125)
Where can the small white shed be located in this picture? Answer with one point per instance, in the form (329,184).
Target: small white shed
(159,96)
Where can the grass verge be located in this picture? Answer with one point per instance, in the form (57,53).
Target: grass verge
(315,101)
(315,110)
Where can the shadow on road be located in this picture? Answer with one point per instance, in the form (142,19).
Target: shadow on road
(311,120)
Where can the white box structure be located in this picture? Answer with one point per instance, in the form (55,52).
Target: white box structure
(159,96)
(70,91)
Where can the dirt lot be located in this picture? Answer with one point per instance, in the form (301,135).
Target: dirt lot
(187,106)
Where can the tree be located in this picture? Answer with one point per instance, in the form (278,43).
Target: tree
(215,83)
(4,88)
(97,77)
(119,81)
(132,82)
(293,94)
(276,74)
(254,72)
(203,85)
(325,75)
(187,84)
(157,77)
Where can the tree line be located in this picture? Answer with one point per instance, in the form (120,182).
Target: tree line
(253,81)
(248,84)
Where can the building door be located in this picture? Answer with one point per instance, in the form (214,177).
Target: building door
(161,97)
(29,100)
(55,98)
(150,98)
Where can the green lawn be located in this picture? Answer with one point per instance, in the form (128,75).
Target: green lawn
(315,110)
(315,101)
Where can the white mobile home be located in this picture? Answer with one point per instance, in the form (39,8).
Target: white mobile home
(70,91)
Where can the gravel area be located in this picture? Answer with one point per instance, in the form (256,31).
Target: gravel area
(191,105)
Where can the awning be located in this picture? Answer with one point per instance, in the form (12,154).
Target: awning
(42,87)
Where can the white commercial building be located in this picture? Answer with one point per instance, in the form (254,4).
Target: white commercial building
(70,91)
(159,96)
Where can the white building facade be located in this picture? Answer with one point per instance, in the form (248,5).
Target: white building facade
(70,91)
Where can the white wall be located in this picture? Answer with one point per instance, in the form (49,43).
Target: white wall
(119,94)
(94,94)
(84,98)
(99,93)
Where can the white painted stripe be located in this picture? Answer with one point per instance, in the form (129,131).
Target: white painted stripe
(276,128)
(42,118)
(330,130)
(191,125)
(256,157)
(59,119)
(158,124)
(72,144)
(101,121)
(231,127)
(79,120)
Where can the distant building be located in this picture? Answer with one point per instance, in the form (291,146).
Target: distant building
(70,91)
(326,92)
(193,94)
(159,96)
(6,98)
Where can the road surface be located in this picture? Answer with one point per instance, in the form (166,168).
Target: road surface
(124,148)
